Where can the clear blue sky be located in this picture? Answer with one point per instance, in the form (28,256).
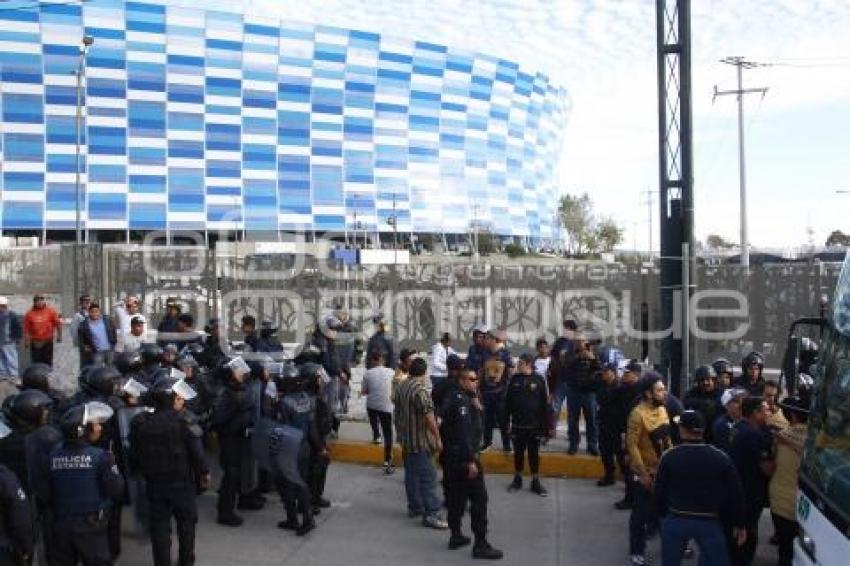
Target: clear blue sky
(603,52)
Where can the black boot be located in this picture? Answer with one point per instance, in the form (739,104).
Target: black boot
(516,484)
(458,540)
(305,527)
(484,551)
(605,482)
(289,525)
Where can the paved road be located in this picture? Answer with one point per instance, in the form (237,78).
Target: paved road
(367,525)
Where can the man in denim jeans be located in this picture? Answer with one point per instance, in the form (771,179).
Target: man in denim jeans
(560,358)
(417,430)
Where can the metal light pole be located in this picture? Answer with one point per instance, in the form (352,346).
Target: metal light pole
(81,69)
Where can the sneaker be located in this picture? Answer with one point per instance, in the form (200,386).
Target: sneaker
(605,482)
(638,560)
(376,441)
(486,552)
(389,469)
(537,488)
(288,525)
(593,451)
(230,520)
(435,522)
(623,505)
(516,484)
(305,528)
(458,540)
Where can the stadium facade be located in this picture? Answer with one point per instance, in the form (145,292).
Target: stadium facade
(207,120)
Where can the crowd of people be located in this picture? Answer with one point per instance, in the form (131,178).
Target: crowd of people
(151,405)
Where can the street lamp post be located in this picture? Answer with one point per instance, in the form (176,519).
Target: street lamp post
(81,69)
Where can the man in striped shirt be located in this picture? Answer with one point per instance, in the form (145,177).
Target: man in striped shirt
(417,431)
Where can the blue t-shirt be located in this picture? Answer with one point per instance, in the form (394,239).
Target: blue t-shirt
(98,335)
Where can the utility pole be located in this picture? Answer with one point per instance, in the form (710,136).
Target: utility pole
(649,202)
(741,63)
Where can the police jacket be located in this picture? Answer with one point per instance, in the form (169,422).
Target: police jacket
(496,372)
(328,356)
(627,398)
(440,392)
(39,444)
(755,388)
(461,429)
(697,480)
(299,410)
(165,449)
(721,433)
(561,357)
(609,409)
(83,480)
(13,454)
(16,533)
(706,403)
(582,374)
(526,403)
(233,414)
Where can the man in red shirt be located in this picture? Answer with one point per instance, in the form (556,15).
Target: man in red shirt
(40,324)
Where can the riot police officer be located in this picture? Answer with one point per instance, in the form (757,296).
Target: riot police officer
(234,413)
(169,454)
(37,376)
(315,379)
(705,398)
(462,431)
(751,378)
(297,409)
(16,536)
(82,482)
(151,355)
(723,369)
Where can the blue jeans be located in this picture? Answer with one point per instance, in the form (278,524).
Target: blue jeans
(708,534)
(9,360)
(579,402)
(420,483)
(559,397)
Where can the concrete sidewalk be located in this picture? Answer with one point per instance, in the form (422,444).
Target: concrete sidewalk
(368,525)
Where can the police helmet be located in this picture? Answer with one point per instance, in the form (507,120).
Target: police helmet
(704,373)
(267,328)
(103,381)
(312,373)
(186,360)
(150,353)
(133,388)
(171,383)
(75,420)
(27,407)
(37,376)
(753,359)
(85,376)
(258,364)
(722,365)
(121,362)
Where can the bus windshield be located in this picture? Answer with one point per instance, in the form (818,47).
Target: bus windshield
(826,458)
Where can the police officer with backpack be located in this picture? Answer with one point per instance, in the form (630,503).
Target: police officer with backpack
(82,482)
(170,456)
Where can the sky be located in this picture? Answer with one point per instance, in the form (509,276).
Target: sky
(604,53)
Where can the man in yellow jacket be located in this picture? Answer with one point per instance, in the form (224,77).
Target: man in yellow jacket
(647,438)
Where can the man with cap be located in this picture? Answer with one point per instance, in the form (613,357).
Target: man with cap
(132,340)
(168,326)
(380,341)
(124,312)
(41,324)
(439,353)
(722,428)
(477,350)
(526,403)
(696,490)
(10,334)
(752,374)
(783,483)
(213,351)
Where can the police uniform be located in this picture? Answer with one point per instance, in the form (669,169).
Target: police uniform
(462,431)
(84,480)
(16,534)
(170,456)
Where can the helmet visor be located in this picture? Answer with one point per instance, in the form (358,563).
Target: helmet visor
(97,412)
(184,390)
(133,388)
(238,365)
(175,373)
(4,430)
(275,369)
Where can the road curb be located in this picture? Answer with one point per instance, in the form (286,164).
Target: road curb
(495,462)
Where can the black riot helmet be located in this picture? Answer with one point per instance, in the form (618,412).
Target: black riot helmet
(28,408)
(151,354)
(312,376)
(103,381)
(122,361)
(76,419)
(37,376)
(704,373)
(84,377)
(722,365)
(752,359)
(168,384)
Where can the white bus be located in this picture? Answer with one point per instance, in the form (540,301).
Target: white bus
(823,505)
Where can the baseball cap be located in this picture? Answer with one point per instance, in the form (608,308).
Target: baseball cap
(453,362)
(4,301)
(137,319)
(481,329)
(731,394)
(406,353)
(692,421)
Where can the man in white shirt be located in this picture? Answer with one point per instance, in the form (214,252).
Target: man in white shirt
(131,341)
(377,387)
(124,311)
(439,353)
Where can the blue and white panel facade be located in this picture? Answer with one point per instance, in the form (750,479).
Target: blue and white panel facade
(208,120)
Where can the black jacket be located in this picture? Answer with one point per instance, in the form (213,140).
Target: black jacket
(706,403)
(381,343)
(85,335)
(582,374)
(609,406)
(16,522)
(461,430)
(526,403)
(233,414)
(154,448)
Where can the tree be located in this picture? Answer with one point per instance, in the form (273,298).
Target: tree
(838,238)
(717,242)
(576,216)
(608,235)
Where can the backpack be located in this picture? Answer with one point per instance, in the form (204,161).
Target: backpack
(161,451)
